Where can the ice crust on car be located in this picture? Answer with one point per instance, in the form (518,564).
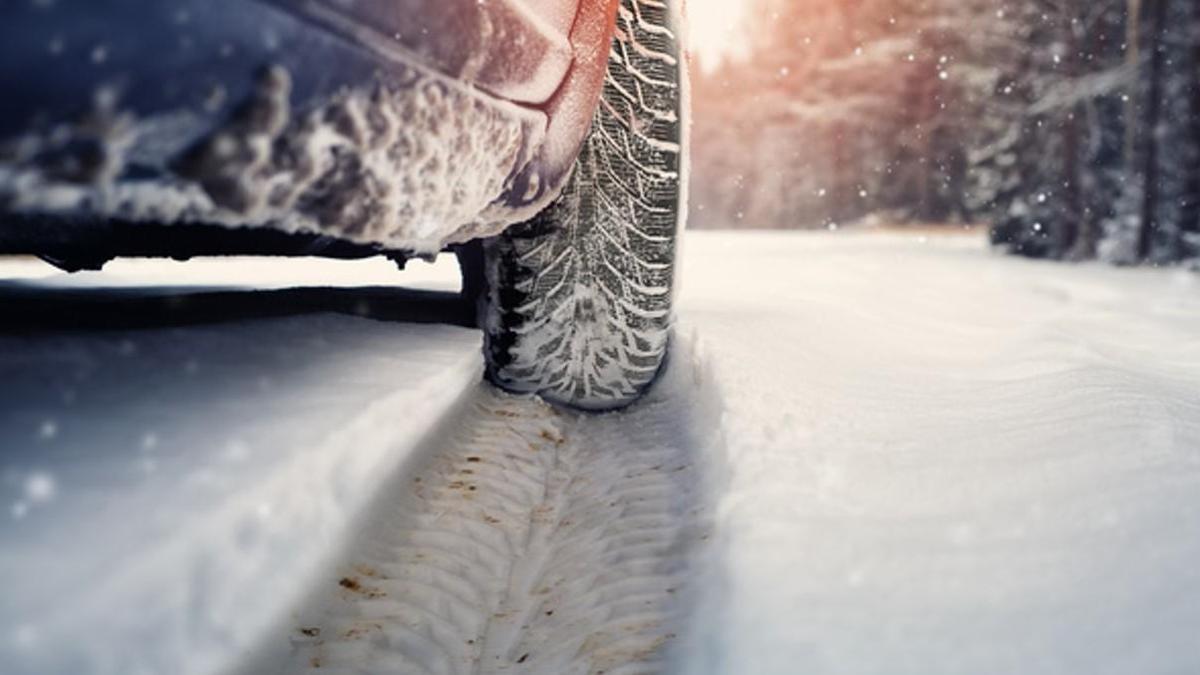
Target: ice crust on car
(412,164)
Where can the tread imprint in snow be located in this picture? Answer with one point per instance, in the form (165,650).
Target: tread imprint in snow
(536,541)
(582,293)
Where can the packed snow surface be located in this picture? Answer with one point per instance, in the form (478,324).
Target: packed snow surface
(871,453)
(167,490)
(944,460)
(532,539)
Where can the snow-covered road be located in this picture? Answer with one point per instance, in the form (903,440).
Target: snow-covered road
(873,453)
(165,488)
(944,460)
(531,540)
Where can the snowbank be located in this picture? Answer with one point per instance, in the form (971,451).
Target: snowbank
(946,461)
(169,492)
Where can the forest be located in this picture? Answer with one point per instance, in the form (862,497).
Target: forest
(1070,128)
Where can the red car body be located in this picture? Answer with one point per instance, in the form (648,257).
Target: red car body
(537,63)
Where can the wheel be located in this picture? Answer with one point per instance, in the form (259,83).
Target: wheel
(578,306)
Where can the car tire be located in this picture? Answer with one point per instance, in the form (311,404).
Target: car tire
(578,307)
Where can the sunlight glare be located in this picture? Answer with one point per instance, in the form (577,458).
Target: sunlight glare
(716,30)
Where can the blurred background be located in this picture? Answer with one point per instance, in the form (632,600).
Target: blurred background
(1070,129)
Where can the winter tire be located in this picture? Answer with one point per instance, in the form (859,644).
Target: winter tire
(578,307)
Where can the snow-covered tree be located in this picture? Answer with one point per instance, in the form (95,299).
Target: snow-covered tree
(1071,126)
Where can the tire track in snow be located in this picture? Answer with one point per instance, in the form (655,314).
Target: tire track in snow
(534,540)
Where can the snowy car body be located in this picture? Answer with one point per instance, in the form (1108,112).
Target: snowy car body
(341,128)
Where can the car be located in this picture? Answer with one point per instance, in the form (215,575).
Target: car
(542,141)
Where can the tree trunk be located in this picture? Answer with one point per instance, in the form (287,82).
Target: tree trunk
(839,189)
(1148,225)
(1133,56)
(926,159)
(1089,124)
(1068,230)
(1070,234)
(1190,216)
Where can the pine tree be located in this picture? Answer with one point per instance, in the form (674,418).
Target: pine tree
(1072,126)
(1067,140)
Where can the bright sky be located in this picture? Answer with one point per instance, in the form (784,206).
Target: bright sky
(716,29)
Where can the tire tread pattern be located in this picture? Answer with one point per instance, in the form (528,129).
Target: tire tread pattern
(579,309)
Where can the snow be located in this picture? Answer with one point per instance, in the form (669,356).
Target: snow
(872,453)
(201,274)
(940,460)
(413,166)
(168,492)
(531,539)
